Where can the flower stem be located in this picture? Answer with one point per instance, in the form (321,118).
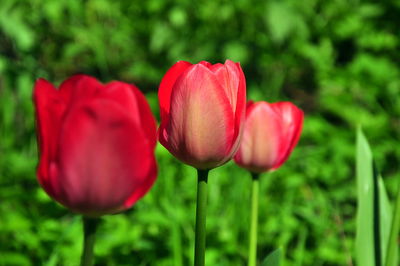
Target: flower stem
(201,211)
(89,231)
(253,221)
(394,232)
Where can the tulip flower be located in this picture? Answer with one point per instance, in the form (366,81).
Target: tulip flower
(270,134)
(96,144)
(202,112)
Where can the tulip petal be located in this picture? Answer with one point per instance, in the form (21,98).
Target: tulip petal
(121,93)
(49,110)
(292,122)
(135,105)
(147,119)
(165,89)
(79,88)
(202,142)
(229,77)
(206,64)
(144,187)
(261,138)
(98,168)
(215,68)
(240,112)
(249,105)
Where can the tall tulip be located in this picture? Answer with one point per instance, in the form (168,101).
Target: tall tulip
(96,144)
(202,112)
(271,132)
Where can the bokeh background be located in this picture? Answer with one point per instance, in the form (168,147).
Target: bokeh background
(338,60)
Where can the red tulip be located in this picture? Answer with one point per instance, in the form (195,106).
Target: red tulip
(202,112)
(270,134)
(96,144)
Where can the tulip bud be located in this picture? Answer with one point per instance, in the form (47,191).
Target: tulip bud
(96,144)
(270,134)
(202,112)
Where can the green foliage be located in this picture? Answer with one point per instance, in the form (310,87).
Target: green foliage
(386,218)
(374,213)
(365,244)
(338,60)
(392,249)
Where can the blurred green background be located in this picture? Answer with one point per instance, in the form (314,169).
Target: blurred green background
(338,60)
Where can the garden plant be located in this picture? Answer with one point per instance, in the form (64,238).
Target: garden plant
(199,133)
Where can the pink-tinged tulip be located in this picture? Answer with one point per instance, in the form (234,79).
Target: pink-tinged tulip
(202,112)
(96,144)
(270,134)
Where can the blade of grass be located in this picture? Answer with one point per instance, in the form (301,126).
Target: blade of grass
(373,208)
(374,212)
(392,248)
(365,254)
(385,218)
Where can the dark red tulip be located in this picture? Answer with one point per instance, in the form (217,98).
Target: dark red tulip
(202,112)
(270,134)
(96,144)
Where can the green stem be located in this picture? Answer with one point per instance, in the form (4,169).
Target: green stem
(201,211)
(89,231)
(253,221)
(394,232)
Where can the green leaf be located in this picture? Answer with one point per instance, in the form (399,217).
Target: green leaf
(374,213)
(273,258)
(386,215)
(365,196)
(392,250)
